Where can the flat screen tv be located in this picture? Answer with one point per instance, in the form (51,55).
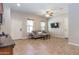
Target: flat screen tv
(54,25)
(0,18)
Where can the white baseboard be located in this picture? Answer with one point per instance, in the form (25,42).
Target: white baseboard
(60,37)
(73,44)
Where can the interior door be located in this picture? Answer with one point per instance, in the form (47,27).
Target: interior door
(16,29)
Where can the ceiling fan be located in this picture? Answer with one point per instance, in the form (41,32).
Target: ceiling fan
(49,13)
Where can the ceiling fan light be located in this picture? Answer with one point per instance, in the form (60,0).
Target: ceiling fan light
(47,15)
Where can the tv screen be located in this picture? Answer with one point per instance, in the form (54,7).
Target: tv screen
(55,25)
(0,18)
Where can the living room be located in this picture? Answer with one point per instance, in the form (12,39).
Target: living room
(20,19)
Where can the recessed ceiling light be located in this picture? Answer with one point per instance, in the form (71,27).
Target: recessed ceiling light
(18,4)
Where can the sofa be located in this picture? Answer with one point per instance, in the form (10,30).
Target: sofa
(38,35)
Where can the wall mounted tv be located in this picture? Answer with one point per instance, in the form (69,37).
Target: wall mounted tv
(54,25)
(0,18)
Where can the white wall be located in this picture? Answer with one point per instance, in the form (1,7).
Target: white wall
(5,26)
(74,24)
(62,31)
(18,17)
(23,17)
(11,15)
(16,25)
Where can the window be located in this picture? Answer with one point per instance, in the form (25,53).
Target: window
(42,25)
(29,26)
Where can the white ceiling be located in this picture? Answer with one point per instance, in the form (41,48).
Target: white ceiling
(38,8)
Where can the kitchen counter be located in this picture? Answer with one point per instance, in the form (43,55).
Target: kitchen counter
(5,44)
